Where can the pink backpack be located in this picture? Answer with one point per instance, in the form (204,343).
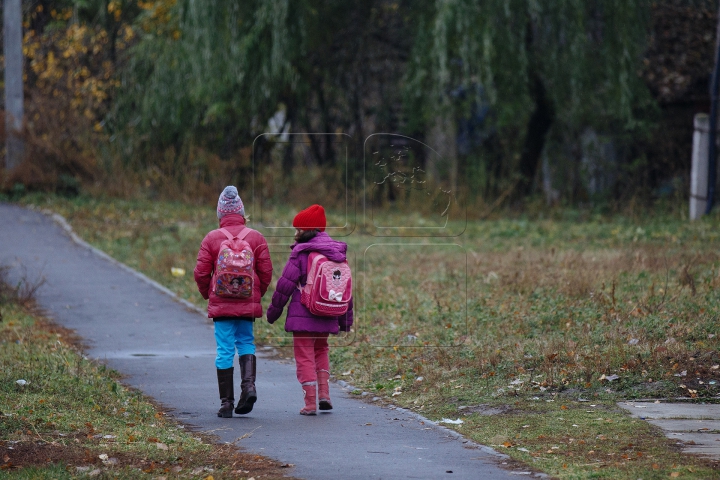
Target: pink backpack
(234,272)
(328,290)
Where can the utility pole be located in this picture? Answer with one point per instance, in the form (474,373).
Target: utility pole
(14,111)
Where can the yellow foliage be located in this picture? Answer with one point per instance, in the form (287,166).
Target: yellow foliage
(70,79)
(158,18)
(75,63)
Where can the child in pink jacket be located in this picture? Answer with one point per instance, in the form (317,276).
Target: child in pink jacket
(233,318)
(310,332)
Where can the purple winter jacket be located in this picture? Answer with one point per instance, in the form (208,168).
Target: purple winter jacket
(299,318)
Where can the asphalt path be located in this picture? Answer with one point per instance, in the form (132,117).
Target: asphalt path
(166,349)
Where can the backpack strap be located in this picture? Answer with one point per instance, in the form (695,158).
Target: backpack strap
(243,233)
(309,267)
(229,235)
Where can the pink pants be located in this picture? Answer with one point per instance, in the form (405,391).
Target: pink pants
(311,355)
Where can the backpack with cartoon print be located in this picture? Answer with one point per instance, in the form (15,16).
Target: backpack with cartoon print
(328,290)
(234,268)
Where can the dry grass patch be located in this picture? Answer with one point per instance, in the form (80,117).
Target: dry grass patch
(524,317)
(64,416)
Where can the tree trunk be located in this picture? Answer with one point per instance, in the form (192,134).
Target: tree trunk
(328,157)
(538,127)
(712,150)
(288,161)
(14,98)
(443,139)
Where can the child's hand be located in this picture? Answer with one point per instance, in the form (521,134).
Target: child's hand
(273,314)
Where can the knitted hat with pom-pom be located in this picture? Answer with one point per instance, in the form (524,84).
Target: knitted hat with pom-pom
(229,202)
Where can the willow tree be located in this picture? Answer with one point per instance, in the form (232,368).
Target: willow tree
(213,71)
(542,66)
(191,75)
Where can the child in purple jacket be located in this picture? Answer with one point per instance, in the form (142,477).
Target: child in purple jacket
(310,332)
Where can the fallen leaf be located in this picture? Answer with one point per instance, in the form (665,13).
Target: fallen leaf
(177,271)
(161,446)
(675,474)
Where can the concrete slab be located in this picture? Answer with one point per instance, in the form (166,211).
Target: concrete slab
(683,425)
(707,444)
(647,410)
(695,426)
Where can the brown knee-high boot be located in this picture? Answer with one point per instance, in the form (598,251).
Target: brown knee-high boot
(248,397)
(227,393)
(324,390)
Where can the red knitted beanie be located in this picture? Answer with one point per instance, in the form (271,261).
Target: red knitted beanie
(311,218)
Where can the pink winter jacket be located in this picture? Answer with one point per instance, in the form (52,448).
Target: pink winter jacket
(230,307)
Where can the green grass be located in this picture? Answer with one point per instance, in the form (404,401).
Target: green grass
(529,316)
(73,418)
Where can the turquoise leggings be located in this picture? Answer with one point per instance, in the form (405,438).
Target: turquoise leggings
(233,335)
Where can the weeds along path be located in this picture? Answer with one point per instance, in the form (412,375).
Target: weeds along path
(167,350)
